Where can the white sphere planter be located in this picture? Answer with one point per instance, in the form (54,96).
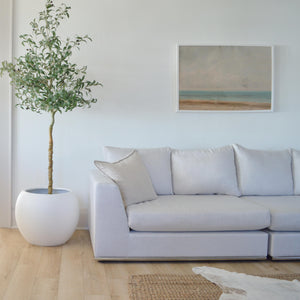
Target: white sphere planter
(47,219)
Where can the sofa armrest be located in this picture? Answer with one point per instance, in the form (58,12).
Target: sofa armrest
(107,217)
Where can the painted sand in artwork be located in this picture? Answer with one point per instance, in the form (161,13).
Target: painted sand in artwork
(221,78)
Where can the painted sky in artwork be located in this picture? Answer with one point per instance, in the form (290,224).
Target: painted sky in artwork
(225,68)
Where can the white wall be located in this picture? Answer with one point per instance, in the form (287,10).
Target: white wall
(134,55)
(5,117)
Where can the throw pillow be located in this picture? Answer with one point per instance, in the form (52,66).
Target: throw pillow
(208,171)
(131,176)
(264,172)
(156,160)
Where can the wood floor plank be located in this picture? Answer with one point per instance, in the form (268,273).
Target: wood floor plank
(97,297)
(94,276)
(70,285)
(117,279)
(9,257)
(24,275)
(47,279)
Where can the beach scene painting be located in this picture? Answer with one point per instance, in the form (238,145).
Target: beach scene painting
(225,78)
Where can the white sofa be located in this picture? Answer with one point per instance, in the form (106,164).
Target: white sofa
(222,203)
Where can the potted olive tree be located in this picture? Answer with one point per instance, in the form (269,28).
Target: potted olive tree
(45,80)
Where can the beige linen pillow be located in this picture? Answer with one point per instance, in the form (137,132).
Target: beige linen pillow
(132,177)
(157,162)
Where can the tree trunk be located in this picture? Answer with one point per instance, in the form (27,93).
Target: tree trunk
(50,154)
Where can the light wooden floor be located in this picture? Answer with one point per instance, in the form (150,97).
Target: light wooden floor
(70,271)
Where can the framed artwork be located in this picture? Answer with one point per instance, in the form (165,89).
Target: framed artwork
(225,78)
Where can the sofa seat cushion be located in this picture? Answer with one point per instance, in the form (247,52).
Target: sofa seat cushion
(285,211)
(197,213)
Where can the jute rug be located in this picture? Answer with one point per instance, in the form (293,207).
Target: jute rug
(181,287)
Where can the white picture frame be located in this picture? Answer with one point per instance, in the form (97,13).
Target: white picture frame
(225,78)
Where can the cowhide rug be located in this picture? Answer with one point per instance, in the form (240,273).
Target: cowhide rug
(241,286)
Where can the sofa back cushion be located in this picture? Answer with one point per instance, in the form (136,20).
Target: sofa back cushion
(156,160)
(296,170)
(264,172)
(210,171)
(131,176)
